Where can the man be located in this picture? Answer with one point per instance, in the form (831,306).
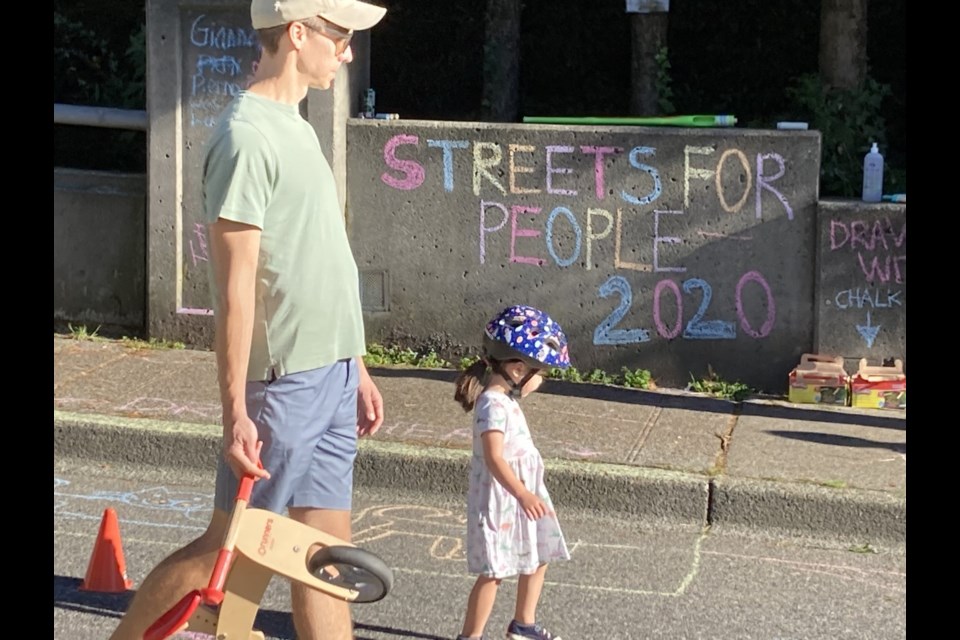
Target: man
(289,328)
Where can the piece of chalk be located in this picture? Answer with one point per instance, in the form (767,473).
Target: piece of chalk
(796,126)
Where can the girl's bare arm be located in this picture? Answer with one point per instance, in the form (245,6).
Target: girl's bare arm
(532,505)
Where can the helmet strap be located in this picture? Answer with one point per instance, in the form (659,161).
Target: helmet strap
(516,388)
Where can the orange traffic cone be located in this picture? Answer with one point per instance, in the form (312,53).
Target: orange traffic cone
(107,571)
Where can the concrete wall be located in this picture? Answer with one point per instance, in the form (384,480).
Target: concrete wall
(675,250)
(99,250)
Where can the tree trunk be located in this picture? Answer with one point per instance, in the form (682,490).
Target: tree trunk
(501,62)
(649,35)
(843,43)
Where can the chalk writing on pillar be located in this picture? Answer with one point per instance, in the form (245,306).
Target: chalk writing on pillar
(880,249)
(222,70)
(543,231)
(198,244)
(878,255)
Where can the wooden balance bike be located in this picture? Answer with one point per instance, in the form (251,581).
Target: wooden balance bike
(257,545)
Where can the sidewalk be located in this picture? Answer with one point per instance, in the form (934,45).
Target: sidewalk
(671,455)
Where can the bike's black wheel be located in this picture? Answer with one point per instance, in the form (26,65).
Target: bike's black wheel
(353,568)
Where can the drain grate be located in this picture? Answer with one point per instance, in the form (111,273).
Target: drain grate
(374,291)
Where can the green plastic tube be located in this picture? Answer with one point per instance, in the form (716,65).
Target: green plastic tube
(652,121)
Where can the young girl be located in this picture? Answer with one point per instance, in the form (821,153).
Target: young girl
(512,529)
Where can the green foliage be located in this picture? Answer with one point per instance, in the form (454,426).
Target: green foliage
(87,70)
(664,82)
(431,360)
(712,385)
(598,376)
(570,374)
(848,121)
(636,379)
(152,343)
(467,362)
(83,64)
(379,355)
(82,333)
(136,54)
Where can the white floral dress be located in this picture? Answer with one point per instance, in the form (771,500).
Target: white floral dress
(501,540)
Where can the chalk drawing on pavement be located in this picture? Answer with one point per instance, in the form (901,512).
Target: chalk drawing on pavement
(192,505)
(442,534)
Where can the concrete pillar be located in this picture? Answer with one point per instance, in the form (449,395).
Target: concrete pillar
(200,54)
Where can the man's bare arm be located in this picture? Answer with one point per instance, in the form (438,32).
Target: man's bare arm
(235,248)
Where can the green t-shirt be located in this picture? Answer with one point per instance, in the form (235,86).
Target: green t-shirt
(264,167)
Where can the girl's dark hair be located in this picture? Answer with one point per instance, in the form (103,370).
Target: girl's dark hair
(469,384)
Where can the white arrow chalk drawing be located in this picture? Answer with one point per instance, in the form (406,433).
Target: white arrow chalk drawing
(868,332)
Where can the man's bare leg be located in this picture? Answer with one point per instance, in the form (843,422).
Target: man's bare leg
(315,614)
(178,574)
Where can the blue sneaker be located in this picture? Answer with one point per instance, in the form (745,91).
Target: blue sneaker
(535,631)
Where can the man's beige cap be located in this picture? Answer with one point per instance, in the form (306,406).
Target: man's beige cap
(349,14)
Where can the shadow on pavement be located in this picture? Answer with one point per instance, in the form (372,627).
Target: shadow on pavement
(274,624)
(841,441)
(677,399)
(67,595)
(838,416)
(400,633)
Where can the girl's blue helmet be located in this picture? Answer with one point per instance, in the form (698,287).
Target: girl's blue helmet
(524,333)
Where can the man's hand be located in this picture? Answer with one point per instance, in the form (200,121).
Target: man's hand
(369,403)
(241,449)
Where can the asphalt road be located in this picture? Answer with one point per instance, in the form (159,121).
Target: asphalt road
(627,579)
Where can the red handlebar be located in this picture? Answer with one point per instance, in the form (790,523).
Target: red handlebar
(178,616)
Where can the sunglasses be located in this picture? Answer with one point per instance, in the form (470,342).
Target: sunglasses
(340,37)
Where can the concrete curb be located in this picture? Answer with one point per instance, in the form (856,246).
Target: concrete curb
(794,508)
(135,440)
(809,509)
(602,488)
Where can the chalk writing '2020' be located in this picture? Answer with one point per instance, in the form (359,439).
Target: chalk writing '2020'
(697,328)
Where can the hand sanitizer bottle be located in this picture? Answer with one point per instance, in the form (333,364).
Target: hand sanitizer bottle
(873,175)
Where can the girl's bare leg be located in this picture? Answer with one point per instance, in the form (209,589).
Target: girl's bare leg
(529,588)
(479,606)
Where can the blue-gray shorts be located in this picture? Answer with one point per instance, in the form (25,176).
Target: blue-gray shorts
(308,424)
